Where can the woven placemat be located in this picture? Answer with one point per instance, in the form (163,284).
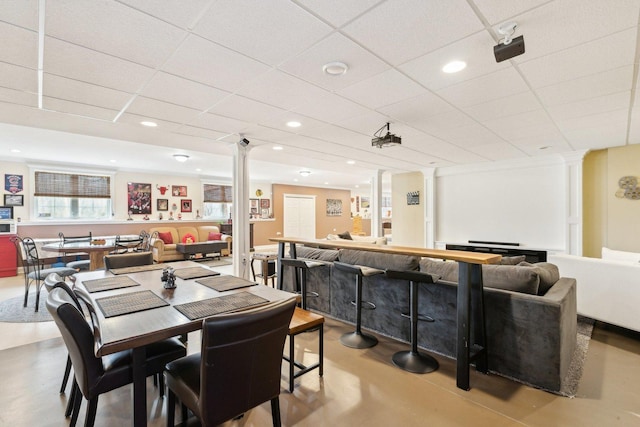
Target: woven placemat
(129,303)
(109,283)
(225,283)
(194,273)
(137,269)
(224,304)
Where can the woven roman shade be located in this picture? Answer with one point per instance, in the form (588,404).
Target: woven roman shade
(53,184)
(218,193)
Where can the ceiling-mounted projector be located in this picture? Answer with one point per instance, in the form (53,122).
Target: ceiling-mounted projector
(509,47)
(387,140)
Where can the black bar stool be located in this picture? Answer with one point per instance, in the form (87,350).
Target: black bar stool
(413,360)
(357,339)
(300,268)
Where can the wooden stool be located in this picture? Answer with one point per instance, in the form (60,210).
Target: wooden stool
(268,268)
(304,321)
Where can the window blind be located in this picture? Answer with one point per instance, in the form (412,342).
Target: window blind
(53,184)
(218,193)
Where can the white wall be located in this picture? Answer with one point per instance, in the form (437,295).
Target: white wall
(408,220)
(516,201)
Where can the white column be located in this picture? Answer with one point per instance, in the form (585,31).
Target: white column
(430,207)
(241,253)
(573,202)
(376,204)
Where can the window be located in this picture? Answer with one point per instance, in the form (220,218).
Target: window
(217,201)
(71,196)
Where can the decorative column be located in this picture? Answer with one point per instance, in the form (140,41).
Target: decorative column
(573,204)
(241,252)
(429,207)
(376,204)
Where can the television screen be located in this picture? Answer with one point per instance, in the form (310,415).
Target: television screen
(6,212)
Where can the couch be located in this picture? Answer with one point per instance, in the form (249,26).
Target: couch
(163,252)
(530,311)
(608,287)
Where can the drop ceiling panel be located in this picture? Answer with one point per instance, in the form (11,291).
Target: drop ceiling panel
(199,132)
(12,96)
(521,125)
(417,109)
(367,123)
(84,93)
(110,27)
(84,110)
(609,118)
(504,107)
(475,50)
(330,107)
(472,135)
(23,13)
(219,123)
(281,90)
(214,65)
(610,135)
(340,135)
(18,78)
(262,132)
(246,109)
(22,48)
(502,83)
(587,107)
(338,12)
(271,31)
(78,63)
(383,89)
(401,30)
(135,119)
(308,65)
(498,11)
(499,150)
(595,85)
(176,90)
(183,13)
(280,122)
(155,109)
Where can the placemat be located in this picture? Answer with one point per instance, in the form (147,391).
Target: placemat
(224,304)
(225,283)
(137,269)
(129,303)
(194,272)
(109,283)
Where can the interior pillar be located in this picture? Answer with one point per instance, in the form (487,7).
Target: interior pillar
(376,204)
(241,254)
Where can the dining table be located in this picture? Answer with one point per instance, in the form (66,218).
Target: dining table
(172,312)
(96,248)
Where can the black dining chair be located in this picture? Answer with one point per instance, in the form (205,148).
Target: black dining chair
(237,369)
(33,267)
(97,375)
(129,259)
(124,244)
(78,264)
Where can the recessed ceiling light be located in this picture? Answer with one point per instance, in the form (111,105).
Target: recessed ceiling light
(149,124)
(15,150)
(198,170)
(181,157)
(351,162)
(357,186)
(545,147)
(335,68)
(326,183)
(295,179)
(305,173)
(294,124)
(113,161)
(277,148)
(454,67)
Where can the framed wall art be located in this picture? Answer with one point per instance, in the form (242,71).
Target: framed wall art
(254,206)
(162,204)
(185,205)
(13,200)
(334,207)
(179,190)
(139,198)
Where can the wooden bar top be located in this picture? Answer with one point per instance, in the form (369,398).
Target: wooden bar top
(461,256)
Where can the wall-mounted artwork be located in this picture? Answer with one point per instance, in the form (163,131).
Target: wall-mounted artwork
(413,198)
(163,204)
(334,207)
(139,198)
(365,203)
(254,205)
(13,200)
(13,183)
(628,188)
(179,190)
(185,205)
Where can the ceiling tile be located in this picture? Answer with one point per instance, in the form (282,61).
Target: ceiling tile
(200,60)
(502,83)
(417,109)
(280,122)
(271,31)
(330,107)
(602,104)
(83,93)
(63,106)
(219,123)
(176,90)
(598,137)
(134,121)
(246,109)
(499,150)
(335,48)
(78,63)
(367,123)
(184,14)
(18,78)
(401,30)
(23,13)
(18,97)
(517,126)
(281,90)
(608,118)
(200,132)
(383,89)
(338,12)
(23,48)
(110,27)
(504,107)
(497,11)
(155,109)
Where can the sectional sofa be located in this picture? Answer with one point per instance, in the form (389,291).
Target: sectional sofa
(530,311)
(165,239)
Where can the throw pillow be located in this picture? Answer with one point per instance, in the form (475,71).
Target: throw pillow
(188,238)
(512,260)
(214,236)
(547,272)
(166,237)
(346,235)
(613,255)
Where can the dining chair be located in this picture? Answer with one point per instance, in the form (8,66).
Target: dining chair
(33,267)
(78,264)
(98,375)
(129,259)
(237,369)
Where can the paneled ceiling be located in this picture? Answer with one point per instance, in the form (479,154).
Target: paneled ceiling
(78,76)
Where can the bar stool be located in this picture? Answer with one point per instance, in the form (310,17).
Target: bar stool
(267,268)
(357,339)
(304,321)
(300,268)
(413,360)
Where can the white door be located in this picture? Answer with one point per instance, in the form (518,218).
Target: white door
(299,216)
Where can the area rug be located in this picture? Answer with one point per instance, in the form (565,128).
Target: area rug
(215,262)
(572,379)
(12,311)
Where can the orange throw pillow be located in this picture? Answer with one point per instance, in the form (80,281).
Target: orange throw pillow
(166,237)
(188,238)
(214,236)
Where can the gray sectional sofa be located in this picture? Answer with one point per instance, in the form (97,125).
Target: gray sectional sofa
(530,311)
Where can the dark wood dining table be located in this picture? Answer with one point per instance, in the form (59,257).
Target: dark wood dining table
(135,330)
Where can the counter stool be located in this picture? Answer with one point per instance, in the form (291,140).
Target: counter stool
(357,339)
(267,268)
(300,268)
(413,360)
(304,321)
